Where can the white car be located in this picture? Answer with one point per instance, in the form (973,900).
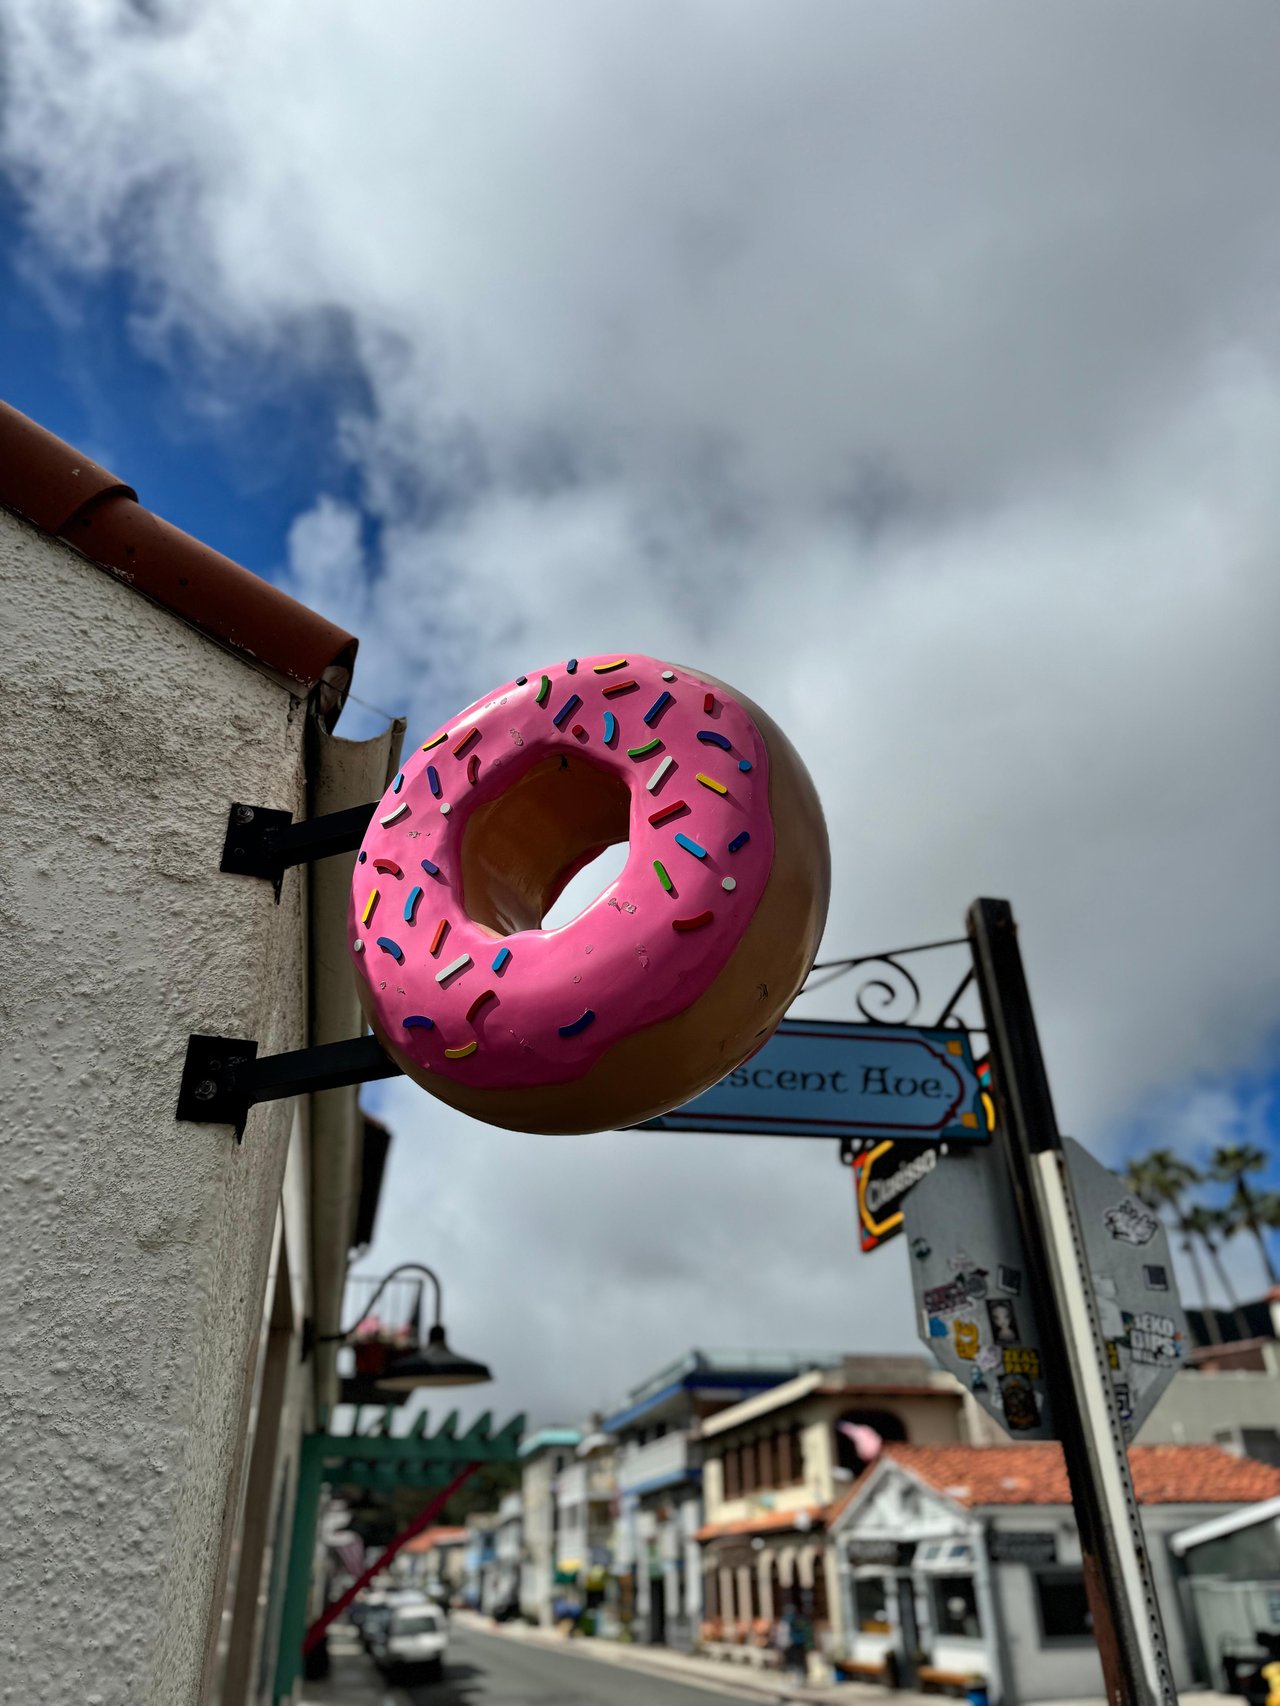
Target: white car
(414,1640)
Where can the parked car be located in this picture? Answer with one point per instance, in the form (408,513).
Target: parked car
(413,1643)
(378,1612)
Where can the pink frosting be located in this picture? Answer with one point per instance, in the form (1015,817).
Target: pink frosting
(622,959)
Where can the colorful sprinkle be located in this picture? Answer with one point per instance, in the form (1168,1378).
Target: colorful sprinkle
(463,1052)
(358,946)
(663,878)
(668,675)
(418,1022)
(710,782)
(395,816)
(709,703)
(432,870)
(544,690)
(694,923)
(392,948)
(657,708)
(728,884)
(460,964)
(388,866)
(604,668)
(433,780)
(473,768)
(645,750)
(437,941)
(658,817)
(610,728)
(369,905)
(521,679)
(500,959)
(415,895)
(691,846)
(616,687)
(361,857)
(744,764)
(398,783)
(566,710)
(579,731)
(445,808)
(480,1000)
(656,780)
(438,741)
(739,841)
(571,668)
(578,1025)
(711,737)
(460,746)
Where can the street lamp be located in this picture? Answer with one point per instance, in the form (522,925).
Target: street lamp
(432,1364)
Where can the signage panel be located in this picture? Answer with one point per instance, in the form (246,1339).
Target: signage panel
(882,1177)
(818,1078)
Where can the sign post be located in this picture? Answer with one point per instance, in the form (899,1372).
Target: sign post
(1122,1600)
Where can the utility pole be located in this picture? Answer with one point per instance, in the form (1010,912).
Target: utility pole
(1127,1624)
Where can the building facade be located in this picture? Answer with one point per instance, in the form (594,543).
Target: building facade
(659,1481)
(543,1457)
(774,1466)
(157,1274)
(959,1563)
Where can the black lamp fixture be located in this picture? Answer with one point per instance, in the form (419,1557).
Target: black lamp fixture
(432,1364)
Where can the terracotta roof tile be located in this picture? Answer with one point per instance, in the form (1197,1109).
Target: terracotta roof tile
(65,494)
(1035,1474)
(767,1522)
(436,1537)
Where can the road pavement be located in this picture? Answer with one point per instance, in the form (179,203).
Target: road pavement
(490,1670)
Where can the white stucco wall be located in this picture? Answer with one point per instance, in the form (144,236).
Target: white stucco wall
(133,1248)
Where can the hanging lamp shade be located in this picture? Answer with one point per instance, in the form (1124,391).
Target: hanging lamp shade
(433,1364)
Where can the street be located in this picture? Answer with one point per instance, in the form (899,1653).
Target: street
(491,1670)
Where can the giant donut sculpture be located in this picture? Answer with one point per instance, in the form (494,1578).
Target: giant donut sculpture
(666,981)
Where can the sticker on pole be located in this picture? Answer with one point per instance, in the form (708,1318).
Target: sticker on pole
(816,1078)
(974,1307)
(1126,1248)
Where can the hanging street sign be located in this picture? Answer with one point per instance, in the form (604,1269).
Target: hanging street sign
(974,1307)
(882,1176)
(1126,1247)
(817,1078)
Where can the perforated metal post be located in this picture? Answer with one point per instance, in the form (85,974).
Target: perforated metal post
(1127,1624)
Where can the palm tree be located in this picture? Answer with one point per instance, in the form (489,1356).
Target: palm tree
(1160,1179)
(1230,1165)
(1209,1225)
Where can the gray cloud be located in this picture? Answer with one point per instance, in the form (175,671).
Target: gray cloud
(915,370)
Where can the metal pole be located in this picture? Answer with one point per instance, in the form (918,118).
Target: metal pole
(1127,1624)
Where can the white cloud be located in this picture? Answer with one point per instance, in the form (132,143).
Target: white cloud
(915,370)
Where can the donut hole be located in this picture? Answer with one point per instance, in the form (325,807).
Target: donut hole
(522,850)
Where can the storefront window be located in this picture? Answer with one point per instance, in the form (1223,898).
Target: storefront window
(1063,1605)
(955,1606)
(871,1605)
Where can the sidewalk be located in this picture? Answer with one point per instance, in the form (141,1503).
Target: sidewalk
(353,1679)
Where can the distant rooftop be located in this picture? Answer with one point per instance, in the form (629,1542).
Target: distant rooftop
(546,1439)
(735,1373)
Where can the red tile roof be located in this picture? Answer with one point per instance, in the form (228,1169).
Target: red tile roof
(431,1537)
(766,1522)
(63,493)
(1036,1474)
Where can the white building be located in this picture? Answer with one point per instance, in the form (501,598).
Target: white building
(961,1561)
(508,1555)
(544,1456)
(157,1274)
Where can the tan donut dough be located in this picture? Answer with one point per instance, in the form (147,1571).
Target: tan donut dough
(665,1065)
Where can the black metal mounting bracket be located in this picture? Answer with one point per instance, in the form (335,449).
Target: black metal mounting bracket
(262,842)
(223,1077)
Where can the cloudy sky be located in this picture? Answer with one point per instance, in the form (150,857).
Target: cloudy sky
(914,369)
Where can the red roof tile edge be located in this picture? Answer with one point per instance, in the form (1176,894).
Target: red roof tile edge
(65,494)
